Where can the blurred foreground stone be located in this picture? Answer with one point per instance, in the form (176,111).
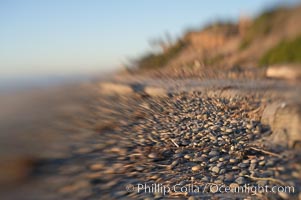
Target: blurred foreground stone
(115,88)
(291,72)
(155,91)
(14,170)
(285,121)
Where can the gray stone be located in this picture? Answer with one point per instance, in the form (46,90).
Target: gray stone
(152,155)
(155,91)
(284,119)
(261,163)
(229,177)
(115,88)
(240,180)
(243,165)
(215,170)
(213,159)
(213,153)
(191,198)
(221,159)
(262,183)
(196,168)
(205,179)
(229,130)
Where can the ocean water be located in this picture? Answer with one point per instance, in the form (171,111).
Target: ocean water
(23,83)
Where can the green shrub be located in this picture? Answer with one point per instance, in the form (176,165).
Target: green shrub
(262,26)
(152,61)
(213,60)
(245,43)
(284,52)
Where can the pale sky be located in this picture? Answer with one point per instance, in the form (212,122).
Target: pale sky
(57,37)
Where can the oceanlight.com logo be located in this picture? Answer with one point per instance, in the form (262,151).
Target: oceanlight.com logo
(207,188)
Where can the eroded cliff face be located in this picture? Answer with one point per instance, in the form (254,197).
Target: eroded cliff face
(242,44)
(206,40)
(212,37)
(227,48)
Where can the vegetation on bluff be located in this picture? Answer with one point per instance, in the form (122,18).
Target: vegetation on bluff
(263,25)
(264,40)
(287,51)
(156,60)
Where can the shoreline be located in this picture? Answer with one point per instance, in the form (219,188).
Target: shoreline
(88,129)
